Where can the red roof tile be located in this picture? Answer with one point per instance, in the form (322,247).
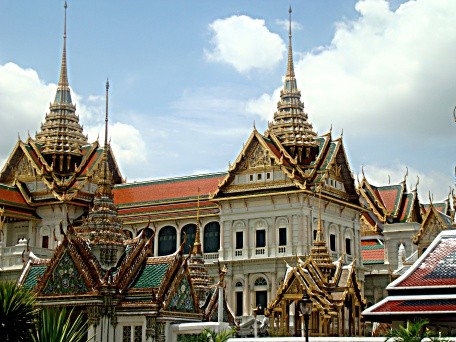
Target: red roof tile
(389,198)
(373,254)
(436,269)
(166,189)
(11,196)
(417,305)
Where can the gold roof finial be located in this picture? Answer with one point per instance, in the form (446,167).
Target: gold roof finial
(104,183)
(290,66)
(63,81)
(197,243)
(106,116)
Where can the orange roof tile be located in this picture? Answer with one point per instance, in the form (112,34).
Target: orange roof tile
(9,195)
(166,189)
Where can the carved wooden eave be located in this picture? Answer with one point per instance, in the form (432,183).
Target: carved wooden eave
(128,269)
(284,153)
(432,214)
(175,263)
(86,264)
(44,173)
(377,206)
(290,170)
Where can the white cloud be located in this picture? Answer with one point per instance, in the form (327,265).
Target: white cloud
(285,24)
(24,101)
(245,43)
(264,105)
(389,70)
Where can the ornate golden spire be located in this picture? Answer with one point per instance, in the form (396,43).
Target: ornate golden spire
(63,90)
(290,123)
(290,67)
(319,251)
(103,227)
(197,244)
(198,271)
(61,134)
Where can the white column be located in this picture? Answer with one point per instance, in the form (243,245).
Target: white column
(222,241)
(220,304)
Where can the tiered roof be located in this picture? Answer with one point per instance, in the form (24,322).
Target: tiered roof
(59,165)
(391,203)
(290,124)
(61,134)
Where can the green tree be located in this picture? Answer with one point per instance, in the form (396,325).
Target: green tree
(17,312)
(414,332)
(221,336)
(54,324)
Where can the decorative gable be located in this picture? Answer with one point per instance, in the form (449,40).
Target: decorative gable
(182,297)
(294,288)
(65,278)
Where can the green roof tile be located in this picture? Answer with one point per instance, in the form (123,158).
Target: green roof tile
(151,276)
(32,276)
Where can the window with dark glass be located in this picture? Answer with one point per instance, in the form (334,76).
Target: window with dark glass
(239,240)
(260,238)
(332,242)
(282,236)
(261,301)
(167,240)
(45,242)
(239,303)
(348,246)
(314,235)
(190,231)
(211,243)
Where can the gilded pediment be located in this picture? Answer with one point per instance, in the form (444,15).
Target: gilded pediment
(25,169)
(294,287)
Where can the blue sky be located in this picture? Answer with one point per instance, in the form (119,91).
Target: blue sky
(189,79)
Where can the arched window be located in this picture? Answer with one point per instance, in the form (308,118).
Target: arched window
(167,240)
(261,282)
(128,234)
(190,230)
(211,237)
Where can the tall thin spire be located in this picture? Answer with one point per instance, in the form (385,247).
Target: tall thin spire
(103,227)
(63,91)
(290,66)
(290,123)
(104,183)
(197,244)
(106,115)
(198,271)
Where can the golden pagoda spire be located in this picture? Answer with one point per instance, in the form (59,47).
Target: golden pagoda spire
(290,124)
(290,67)
(103,227)
(104,183)
(61,137)
(319,251)
(197,243)
(198,271)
